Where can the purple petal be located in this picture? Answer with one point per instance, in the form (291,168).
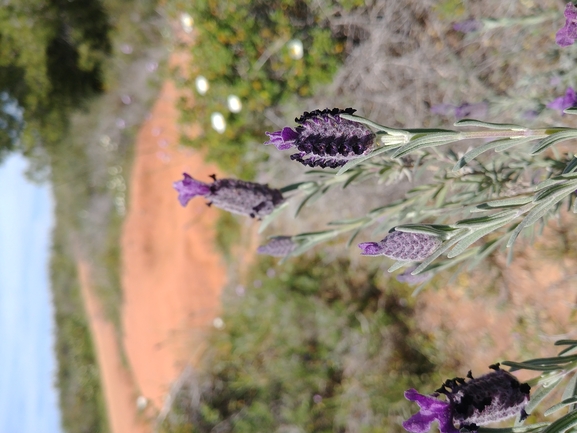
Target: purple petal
(568,33)
(371,248)
(189,188)
(283,139)
(431,409)
(563,102)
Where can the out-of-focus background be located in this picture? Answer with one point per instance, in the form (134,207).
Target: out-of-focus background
(121,311)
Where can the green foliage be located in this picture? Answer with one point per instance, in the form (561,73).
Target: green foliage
(312,345)
(242,48)
(51,56)
(81,398)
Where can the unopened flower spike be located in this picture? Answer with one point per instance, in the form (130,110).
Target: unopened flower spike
(278,246)
(568,33)
(233,195)
(402,246)
(471,403)
(324,139)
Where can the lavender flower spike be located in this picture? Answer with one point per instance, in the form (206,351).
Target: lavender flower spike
(278,246)
(233,195)
(490,398)
(324,139)
(568,33)
(563,102)
(402,246)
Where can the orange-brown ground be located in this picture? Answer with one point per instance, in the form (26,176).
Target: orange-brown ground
(171,275)
(118,387)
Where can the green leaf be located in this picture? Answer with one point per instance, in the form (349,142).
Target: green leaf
(519,429)
(427,140)
(474,237)
(359,119)
(490,125)
(272,216)
(556,137)
(397,265)
(539,211)
(563,424)
(538,396)
(571,167)
(571,388)
(487,220)
(475,152)
(526,366)
(439,251)
(561,405)
(428,229)
(507,202)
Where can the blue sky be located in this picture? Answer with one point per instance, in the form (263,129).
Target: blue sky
(28,398)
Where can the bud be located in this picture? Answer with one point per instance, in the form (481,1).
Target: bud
(490,398)
(278,246)
(324,139)
(232,195)
(403,246)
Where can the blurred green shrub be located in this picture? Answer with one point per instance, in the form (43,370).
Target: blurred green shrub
(243,48)
(312,346)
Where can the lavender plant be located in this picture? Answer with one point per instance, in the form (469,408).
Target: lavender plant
(465,204)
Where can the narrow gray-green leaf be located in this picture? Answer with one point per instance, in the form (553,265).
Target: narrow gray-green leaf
(448,244)
(272,216)
(561,405)
(475,152)
(519,429)
(506,202)
(474,237)
(563,424)
(428,140)
(440,231)
(490,125)
(556,137)
(538,396)
(397,265)
(526,366)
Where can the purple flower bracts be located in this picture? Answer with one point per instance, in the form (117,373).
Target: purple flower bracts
(563,102)
(490,398)
(324,139)
(188,188)
(279,246)
(232,195)
(403,246)
(568,33)
(431,409)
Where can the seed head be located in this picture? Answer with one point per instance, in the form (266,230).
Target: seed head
(233,195)
(324,139)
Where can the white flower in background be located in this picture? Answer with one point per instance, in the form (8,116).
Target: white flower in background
(201,85)
(186,22)
(218,123)
(295,48)
(218,323)
(234,104)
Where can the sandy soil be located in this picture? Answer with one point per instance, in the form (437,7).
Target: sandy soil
(119,391)
(172,276)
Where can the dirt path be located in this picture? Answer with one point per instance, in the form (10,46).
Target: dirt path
(172,276)
(117,384)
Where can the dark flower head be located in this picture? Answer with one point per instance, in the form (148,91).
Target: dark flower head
(324,139)
(403,246)
(563,102)
(568,33)
(233,195)
(278,246)
(490,398)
